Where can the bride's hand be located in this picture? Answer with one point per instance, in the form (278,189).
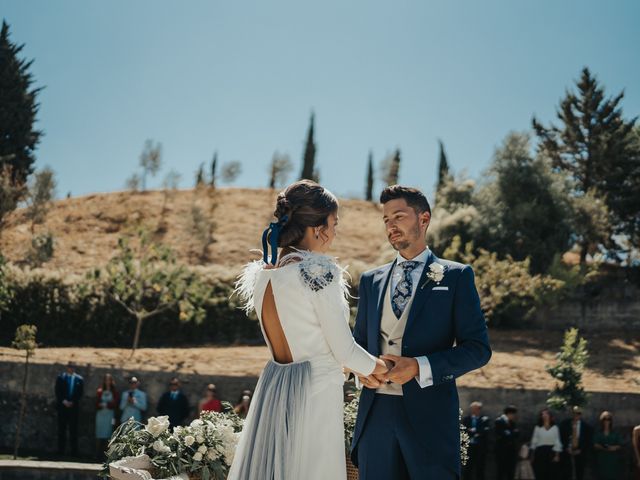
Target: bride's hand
(382,367)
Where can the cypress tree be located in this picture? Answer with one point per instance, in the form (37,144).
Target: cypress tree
(443,167)
(309,170)
(369,187)
(18,110)
(214,166)
(594,148)
(200,175)
(394,169)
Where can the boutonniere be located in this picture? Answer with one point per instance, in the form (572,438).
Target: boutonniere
(435,274)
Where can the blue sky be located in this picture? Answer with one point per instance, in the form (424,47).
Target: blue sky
(242,78)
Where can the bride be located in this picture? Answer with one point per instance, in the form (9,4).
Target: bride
(294,428)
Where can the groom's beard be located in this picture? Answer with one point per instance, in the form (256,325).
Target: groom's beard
(405,243)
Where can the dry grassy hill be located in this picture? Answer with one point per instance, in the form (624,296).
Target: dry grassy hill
(86,229)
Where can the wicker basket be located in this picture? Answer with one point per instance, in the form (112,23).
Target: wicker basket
(352,470)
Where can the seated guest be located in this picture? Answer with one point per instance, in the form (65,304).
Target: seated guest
(608,444)
(133,402)
(210,402)
(174,403)
(546,447)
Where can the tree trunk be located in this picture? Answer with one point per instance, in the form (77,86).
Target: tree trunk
(136,336)
(23,406)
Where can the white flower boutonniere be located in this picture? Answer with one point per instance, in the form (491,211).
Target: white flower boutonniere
(435,273)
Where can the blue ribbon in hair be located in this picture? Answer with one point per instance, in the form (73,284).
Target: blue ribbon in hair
(270,237)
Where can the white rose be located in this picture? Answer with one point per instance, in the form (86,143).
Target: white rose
(197,456)
(202,449)
(200,439)
(189,440)
(157,425)
(197,423)
(436,272)
(212,454)
(160,447)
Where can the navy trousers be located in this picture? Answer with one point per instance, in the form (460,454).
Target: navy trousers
(388,450)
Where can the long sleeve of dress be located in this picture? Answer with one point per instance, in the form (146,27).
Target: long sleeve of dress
(534,438)
(557,443)
(333,312)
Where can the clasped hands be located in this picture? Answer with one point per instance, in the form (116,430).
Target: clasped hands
(391,369)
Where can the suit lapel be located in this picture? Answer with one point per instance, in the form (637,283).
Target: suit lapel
(380,282)
(422,293)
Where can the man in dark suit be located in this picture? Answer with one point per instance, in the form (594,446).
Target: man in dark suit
(577,439)
(174,403)
(477,427)
(507,435)
(69,389)
(423,315)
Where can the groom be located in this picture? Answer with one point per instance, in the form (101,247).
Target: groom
(423,314)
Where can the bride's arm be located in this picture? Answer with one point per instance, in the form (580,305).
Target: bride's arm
(330,304)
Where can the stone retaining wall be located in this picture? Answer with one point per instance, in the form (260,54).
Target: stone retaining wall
(39,430)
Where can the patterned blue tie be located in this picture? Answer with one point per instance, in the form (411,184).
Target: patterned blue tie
(404,289)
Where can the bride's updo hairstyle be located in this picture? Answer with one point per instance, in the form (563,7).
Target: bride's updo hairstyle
(302,204)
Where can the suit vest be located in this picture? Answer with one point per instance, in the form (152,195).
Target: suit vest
(391,333)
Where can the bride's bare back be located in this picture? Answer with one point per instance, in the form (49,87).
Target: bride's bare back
(273,328)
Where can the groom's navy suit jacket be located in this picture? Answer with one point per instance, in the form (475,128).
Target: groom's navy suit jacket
(449,328)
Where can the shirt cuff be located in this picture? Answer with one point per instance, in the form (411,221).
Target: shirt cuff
(425,376)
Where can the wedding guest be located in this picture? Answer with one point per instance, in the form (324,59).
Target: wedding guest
(546,446)
(133,402)
(69,389)
(608,444)
(507,434)
(635,438)
(242,407)
(524,470)
(210,402)
(577,439)
(174,403)
(477,427)
(107,400)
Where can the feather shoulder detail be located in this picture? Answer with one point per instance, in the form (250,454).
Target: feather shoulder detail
(246,283)
(317,271)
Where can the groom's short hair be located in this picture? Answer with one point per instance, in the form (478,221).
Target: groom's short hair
(414,197)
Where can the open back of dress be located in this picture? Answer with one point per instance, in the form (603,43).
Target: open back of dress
(273,330)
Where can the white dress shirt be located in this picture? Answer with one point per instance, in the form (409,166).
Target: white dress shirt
(425,375)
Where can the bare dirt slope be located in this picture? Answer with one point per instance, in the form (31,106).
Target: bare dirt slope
(519,361)
(86,229)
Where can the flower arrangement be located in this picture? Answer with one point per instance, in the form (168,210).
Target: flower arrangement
(203,450)
(350,415)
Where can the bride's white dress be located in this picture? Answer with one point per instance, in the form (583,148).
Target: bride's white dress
(294,428)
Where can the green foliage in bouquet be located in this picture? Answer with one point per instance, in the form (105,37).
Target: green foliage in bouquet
(203,449)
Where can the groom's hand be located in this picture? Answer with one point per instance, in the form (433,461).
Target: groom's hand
(376,380)
(372,381)
(405,369)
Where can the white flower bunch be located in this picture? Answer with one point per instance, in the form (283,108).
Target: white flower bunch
(203,449)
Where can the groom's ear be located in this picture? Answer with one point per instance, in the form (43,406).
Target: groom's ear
(425,219)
